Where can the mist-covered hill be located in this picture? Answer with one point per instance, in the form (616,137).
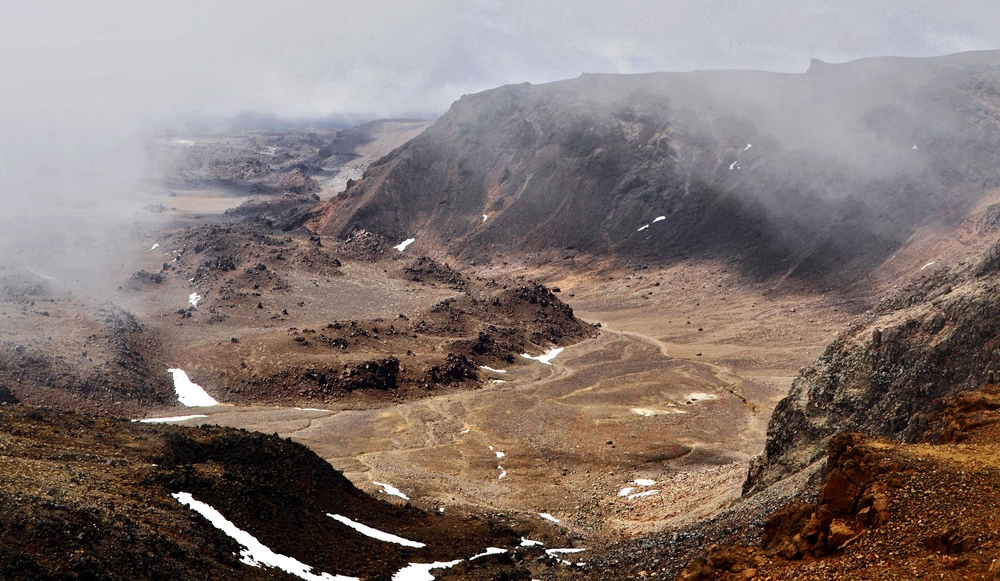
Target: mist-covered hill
(820,175)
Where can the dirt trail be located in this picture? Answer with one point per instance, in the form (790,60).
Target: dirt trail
(572,435)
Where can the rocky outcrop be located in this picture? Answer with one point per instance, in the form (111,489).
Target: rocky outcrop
(938,336)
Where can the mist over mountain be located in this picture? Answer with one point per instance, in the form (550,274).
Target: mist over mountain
(825,173)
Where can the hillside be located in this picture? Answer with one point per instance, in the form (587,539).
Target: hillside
(819,176)
(92,498)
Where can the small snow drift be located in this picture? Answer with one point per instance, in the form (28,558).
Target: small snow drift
(170,419)
(642,494)
(190,393)
(696,397)
(659,219)
(489,551)
(254,553)
(421,571)
(390,489)
(548,517)
(402,245)
(546,357)
(487,368)
(375,533)
(194,298)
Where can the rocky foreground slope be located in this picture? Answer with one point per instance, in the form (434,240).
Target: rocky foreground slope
(94,498)
(889,510)
(819,176)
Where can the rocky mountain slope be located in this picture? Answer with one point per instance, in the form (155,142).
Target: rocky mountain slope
(888,510)
(91,498)
(934,338)
(820,176)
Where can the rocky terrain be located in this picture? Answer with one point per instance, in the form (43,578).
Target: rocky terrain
(817,178)
(562,313)
(96,498)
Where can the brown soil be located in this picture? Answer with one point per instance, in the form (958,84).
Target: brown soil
(889,510)
(89,498)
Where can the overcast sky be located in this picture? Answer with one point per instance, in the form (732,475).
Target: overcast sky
(145,60)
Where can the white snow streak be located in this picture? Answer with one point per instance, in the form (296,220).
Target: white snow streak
(530,543)
(489,551)
(503,473)
(493,370)
(642,228)
(254,553)
(390,489)
(171,419)
(500,455)
(546,357)
(190,393)
(658,219)
(153,247)
(375,533)
(927,265)
(625,491)
(548,516)
(642,494)
(643,482)
(554,552)
(402,245)
(734,165)
(485,217)
(749,145)
(421,571)
(193,298)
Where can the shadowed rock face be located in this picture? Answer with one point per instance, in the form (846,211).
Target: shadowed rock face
(936,337)
(813,175)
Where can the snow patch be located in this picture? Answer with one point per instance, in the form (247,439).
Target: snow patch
(625,491)
(650,412)
(375,533)
(530,543)
(311,410)
(546,357)
(659,219)
(194,298)
(642,494)
(390,489)
(489,551)
(554,552)
(402,245)
(643,482)
(503,473)
(500,455)
(253,552)
(734,165)
(153,247)
(548,516)
(170,419)
(642,228)
(696,397)
(485,217)
(493,370)
(422,571)
(927,265)
(188,392)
